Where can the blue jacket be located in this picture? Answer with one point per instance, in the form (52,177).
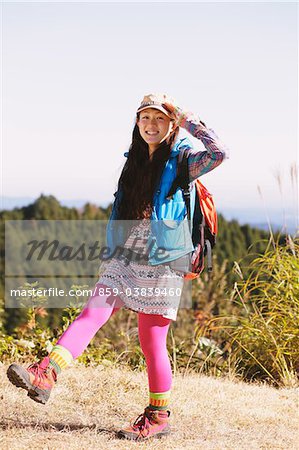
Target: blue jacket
(169,230)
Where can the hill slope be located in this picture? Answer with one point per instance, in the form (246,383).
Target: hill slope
(89,405)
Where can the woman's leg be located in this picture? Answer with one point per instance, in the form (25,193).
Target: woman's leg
(153,331)
(95,314)
(39,378)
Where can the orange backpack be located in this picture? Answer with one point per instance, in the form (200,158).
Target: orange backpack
(204,226)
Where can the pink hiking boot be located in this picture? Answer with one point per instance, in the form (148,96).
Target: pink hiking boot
(150,424)
(38,379)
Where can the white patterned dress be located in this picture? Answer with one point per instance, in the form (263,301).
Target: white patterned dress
(142,287)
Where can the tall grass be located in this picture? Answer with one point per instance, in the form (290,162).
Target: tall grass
(266,335)
(262,332)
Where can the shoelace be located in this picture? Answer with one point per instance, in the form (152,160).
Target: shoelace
(41,372)
(142,423)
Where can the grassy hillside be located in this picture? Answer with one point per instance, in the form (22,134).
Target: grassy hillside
(89,405)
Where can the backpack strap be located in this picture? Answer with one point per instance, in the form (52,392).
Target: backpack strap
(182,179)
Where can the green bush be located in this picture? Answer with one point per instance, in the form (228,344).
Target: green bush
(266,335)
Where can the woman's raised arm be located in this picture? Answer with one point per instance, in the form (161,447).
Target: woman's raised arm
(200,162)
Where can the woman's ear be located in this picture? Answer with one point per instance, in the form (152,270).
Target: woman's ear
(174,125)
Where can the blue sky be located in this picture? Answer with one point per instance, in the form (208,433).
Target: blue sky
(73,75)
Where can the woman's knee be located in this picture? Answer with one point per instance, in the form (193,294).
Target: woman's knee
(102,298)
(99,307)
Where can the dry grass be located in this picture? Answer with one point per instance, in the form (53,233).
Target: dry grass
(89,405)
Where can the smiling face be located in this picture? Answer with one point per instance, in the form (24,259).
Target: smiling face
(154,127)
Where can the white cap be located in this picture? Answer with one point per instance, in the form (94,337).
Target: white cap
(156,101)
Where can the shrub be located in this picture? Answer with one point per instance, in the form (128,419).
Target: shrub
(266,334)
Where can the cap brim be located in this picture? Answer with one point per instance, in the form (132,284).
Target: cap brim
(159,107)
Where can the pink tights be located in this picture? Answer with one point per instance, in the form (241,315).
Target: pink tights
(152,330)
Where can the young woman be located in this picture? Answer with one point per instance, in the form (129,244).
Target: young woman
(155,222)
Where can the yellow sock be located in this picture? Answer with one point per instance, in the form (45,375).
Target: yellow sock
(60,358)
(159,400)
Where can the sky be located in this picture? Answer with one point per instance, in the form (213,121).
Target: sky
(73,75)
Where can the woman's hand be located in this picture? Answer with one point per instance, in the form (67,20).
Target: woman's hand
(177,112)
(181,115)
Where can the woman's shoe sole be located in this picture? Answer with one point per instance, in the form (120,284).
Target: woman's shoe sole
(19,377)
(132,437)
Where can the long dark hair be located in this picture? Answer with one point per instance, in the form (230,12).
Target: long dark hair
(140,175)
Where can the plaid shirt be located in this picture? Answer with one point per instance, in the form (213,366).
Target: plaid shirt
(201,162)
